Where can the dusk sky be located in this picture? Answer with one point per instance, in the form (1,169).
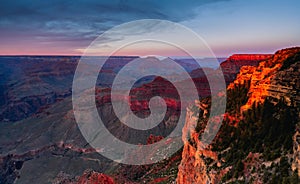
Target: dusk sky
(29,27)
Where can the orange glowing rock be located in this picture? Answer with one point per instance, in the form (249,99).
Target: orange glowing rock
(260,78)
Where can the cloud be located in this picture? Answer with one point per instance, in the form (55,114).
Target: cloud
(81,21)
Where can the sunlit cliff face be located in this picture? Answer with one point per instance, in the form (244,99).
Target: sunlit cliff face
(260,77)
(272,77)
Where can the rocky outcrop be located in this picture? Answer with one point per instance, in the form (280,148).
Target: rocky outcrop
(91,177)
(231,67)
(194,166)
(275,78)
(236,61)
(268,80)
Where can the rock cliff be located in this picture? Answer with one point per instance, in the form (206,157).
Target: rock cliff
(260,101)
(231,66)
(268,79)
(193,168)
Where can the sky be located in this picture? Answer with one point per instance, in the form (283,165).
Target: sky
(29,27)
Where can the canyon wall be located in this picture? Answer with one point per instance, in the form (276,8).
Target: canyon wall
(193,168)
(275,78)
(268,80)
(231,66)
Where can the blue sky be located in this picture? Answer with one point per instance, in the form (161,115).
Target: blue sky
(68,27)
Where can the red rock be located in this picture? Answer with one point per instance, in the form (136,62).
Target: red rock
(91,177)
(260,76)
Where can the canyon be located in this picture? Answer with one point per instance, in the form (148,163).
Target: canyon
(38,132)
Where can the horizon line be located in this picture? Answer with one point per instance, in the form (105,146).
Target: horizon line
(70,55)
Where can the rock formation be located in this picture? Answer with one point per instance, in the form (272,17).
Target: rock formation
(266,80)
(231,67)
(193,168)
(49,144)
(276,79)
(91,177)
